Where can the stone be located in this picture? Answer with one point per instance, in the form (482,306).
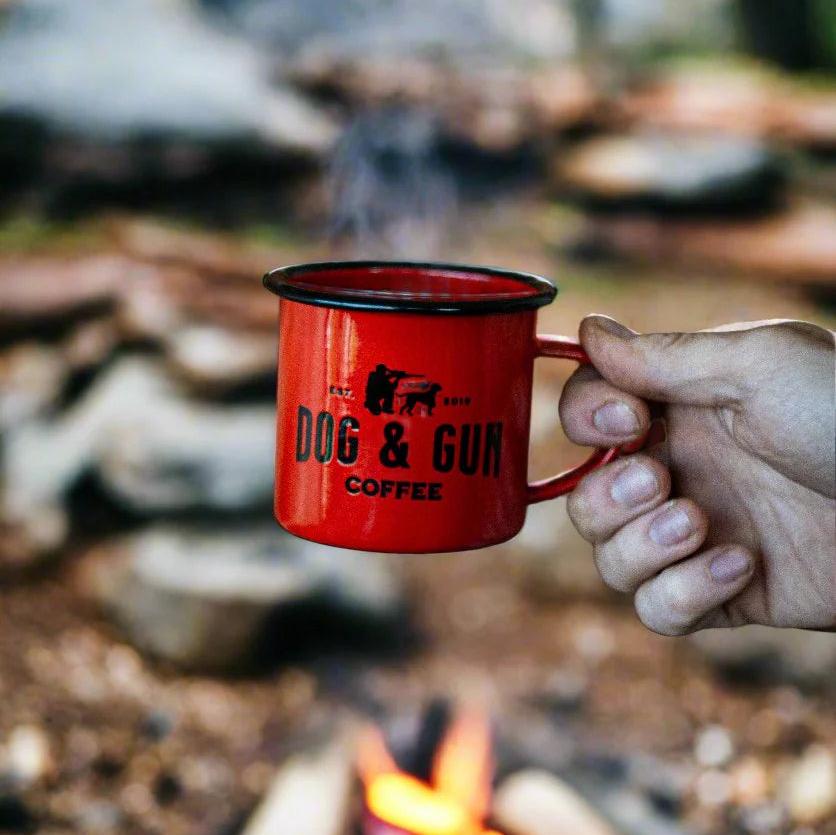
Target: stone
(43,458)
(634,813)
(664,783)
(31,377)
(667,171)
(713,788)
(535,802)
(495,110)
(796,245)
(26,758)
(809,786)
(758,654)
(713,747)
(735,101)
(765,818)
(166,72)
(34,376)
(527,30)
(30,535)
(751,782)
(189,457)
(310,794)
(37,296)
(100,817)
(197,600)
(214,360)
(203,597)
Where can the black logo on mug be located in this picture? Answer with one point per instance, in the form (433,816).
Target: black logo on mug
(388,389)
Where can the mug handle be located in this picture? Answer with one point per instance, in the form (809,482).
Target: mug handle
(564,347)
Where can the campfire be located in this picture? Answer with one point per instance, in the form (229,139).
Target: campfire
(455,801)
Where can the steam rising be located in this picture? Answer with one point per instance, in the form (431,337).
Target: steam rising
(391,193)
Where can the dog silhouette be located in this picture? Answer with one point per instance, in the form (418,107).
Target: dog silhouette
(426,398)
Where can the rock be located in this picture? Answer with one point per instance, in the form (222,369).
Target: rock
(197,600)
(158,725)
(637,28)
(215,360)
(202,597)
(310,795)
(735,102)
(664,783)
(713,788)
(30,534)
(797,245)
(464,31)
(538,803)
(43,458)
(566,690)
(100,817)
(166,73)
(89,345)
(37,296)
(495,110)
(809,787)
(751,783)
(633,813)
(189,458)
(765,818)
(666,171)
(31,377)
(758,654)
(26,758)
(713,747)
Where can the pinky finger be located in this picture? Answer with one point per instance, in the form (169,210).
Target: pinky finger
(690,595)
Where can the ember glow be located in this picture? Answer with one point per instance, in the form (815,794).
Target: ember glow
(458,798)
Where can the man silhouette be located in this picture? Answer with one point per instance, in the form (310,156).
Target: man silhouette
(380,389)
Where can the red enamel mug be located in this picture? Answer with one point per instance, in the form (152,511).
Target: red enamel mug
(404,404)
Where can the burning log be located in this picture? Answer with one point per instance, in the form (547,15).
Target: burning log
(456,800)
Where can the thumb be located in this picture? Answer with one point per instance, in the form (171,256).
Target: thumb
(701,369)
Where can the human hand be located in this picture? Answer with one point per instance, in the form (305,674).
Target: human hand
(748,453)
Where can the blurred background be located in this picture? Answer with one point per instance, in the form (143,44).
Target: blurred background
(166,652)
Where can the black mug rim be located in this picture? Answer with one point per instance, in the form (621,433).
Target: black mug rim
(286,283)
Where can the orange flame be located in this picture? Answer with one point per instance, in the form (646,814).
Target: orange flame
(458,799)
(463,767)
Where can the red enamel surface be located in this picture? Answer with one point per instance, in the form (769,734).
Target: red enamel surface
(483,365)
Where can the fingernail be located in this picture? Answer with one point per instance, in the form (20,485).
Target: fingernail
(633,485)
(671,527)
(613,327)
(729,566)
(615,418)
